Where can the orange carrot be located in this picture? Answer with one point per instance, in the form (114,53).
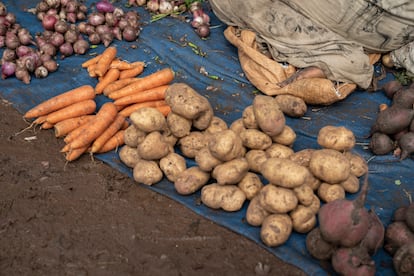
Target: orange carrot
(91,70)
(91,61)
(114,142)
(78,94)
(39,120)
(74,110)
(165,109)
(137,69)
(121,64)
(46,125)
(95,127)
(131,108)
(74,154)
(108,55)
(114,127)
(153,94)
(64,127)
(116,85)
(158,78)
(110,76)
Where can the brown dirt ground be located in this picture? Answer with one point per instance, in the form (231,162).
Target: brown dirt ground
(86,218)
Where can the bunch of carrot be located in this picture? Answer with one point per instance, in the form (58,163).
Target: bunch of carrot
(74,116)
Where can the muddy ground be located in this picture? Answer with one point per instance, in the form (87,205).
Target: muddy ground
(86,218)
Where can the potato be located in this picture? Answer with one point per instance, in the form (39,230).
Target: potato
(255,213)
(313,182)
(287,137)
(279,151)
(329,165)
(303,219)
(276,199)
(276,229)
(192,143)
(269,116)
(337,138)
(302,157)
(304,193)
(229,198)
(205,160)
(172,165)
(291,105)
(147,172)
(178,125)
(203,121)
(230,172)
(251,185)
(255,139)
(169,138)
(133,136)
(153,147)
(148,119)
(359,165)
(185,101)
(249,120)
(237,126)
(216,125)
(255,158)
(129,156)
(191,180)
(226,145)
(316,204)
(284,172)
(330,192)
(351,184)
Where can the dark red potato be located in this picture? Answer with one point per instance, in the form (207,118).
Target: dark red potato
(404,98)
(317,246)
(406,143)
(396,235)
(409,216)
(391,87)
(403,260)
(381,144)
(353,261)
(392,120)
(374,239)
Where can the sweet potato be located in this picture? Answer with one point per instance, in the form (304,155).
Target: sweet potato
(397,234)
(291,106)
(353,261)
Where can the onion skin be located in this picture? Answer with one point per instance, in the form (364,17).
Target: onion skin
(8,69)
(49,21)
(104,6)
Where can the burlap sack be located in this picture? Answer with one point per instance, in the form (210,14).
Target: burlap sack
(265,73)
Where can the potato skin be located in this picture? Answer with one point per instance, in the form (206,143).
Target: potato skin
(291,105)
(337,138)
(226,145)
(237,126)
(205,160)
(302,157)
(279,151)
(330,192)
(268,114)
(153,147)
(192,143)
(255,213)
(148,119)
(251,185)
(303,219)
(203,121)
(255,139)
(172,165)
(351,184)
(359,165)
(133,136)
(129,156)
(277,199)
(287,137)
(178,125)
(284,172)
(230,172)
(216,125)
(249,120)
(191,180)
(147,172)
(329,165)
(255,158)
(304,193)
(229,198)
(276,229)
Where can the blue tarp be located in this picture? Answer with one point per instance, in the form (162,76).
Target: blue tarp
(161,45)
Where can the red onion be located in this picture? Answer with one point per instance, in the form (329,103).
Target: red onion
(2,41)
(57,39)
(116,31)
(3,29)
(42,7)
(12,41)
(71,35)
(83,8)
(66,49)
(51,65)
(22,74)
(153,5)
(41,72)
(30,61)
(130,33)
(94,38)
(8,69)
(48,49)
(82,27)
(61,26)
(90,29)
(80,47)
(23,50)
(53,3)
(203,30)
(3,9)
(165,7)
(106,38)
(110,19)
(102,29)
(118,12)
(96,19)
(49,22)
(25,37)
(122,23)
(9,55)
(80,16)
(71,17)
(104,6)
(10,19)
(71,6)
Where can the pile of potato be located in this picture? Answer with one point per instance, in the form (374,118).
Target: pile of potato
(251,161)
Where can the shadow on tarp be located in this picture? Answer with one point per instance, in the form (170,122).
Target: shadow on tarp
(161,45)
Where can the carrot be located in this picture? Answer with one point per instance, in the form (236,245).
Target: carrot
(74,110)
(116,85)
(153,94)
(46,125)
(64,127)
(78,94)
(137,69)
(95,127)
(131,108)
(91,61)
(165,109)
(114,142)
(121,64)
(158,78)
(40,120)
(110,76)
(108,133)
(91,70)
(74,154)
(108,55)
